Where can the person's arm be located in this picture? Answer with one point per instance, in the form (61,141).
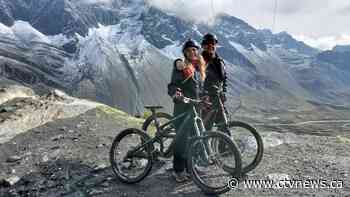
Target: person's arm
(174,87)
(224,84)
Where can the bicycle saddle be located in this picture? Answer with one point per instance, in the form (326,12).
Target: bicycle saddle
(150,107)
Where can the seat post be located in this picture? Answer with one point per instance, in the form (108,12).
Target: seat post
(153,111)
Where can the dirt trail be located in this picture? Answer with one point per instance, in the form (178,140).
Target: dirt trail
(69,157)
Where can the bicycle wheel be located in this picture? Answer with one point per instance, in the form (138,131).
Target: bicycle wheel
(212,170)
(169,131)
(130,160)
(249,143)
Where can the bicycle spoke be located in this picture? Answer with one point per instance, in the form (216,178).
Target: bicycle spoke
(212,172)
(131,162)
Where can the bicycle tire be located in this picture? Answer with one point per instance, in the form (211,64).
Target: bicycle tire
(148,121)
(236,172)
(114,163)
(260,146)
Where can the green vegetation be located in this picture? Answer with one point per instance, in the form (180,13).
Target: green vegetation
(104,111)
(342,139)
(147,114)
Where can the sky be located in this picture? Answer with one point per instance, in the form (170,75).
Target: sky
(319,23)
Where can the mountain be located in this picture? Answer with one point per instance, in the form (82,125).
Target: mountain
(59,16)
(120,53)
(341,48)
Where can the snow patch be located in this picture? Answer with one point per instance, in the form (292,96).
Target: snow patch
(172,51)
(25,32)
(4,30)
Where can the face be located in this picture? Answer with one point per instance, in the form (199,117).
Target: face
(210,47)
(191,53)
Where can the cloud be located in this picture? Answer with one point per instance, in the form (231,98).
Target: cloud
(345,11)
(294,16)
(291,7)
(325,43)
(96,1)
(195,10)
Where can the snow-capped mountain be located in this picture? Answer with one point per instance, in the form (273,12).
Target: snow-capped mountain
(121,53)
(59,16)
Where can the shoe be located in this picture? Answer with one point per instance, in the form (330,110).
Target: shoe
(180,177)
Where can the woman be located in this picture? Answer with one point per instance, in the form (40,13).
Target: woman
(186,81)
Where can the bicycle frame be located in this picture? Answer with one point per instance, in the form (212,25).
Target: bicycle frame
(198,126)
(212,114)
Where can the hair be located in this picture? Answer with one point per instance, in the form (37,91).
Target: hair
(202,65)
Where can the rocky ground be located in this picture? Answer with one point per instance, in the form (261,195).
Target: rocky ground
(68,155)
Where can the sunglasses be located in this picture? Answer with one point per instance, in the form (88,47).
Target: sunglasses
(209,43)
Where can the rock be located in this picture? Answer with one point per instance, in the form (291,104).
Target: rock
(100,145)
(75,139)
(105,184)
(70,131)
(92,129)
(100,166)
(63,129)
(56,138)
(7,109)
(95,192)
(13,159)
(55,148)
(55,154)
(45,158)
(4,183)
(9,181)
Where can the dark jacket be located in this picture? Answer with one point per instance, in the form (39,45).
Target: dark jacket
(190,88)
(216,74)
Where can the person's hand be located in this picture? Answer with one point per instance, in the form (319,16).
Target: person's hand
(205,98)
(180,65)
(188,71)
(178,95)
(206,102)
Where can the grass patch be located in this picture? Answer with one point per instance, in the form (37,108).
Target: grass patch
(343,140)
(104,111)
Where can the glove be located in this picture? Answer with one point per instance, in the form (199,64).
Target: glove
(178,96)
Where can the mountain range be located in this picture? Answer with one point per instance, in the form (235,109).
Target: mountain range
(120,53)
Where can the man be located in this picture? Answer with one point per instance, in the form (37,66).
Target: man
(215,83)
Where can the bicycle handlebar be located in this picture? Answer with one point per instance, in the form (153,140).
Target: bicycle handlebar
(195,101)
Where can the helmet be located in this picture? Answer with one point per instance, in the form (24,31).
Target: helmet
(209,38)
(189,43)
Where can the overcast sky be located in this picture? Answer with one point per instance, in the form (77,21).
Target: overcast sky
(320,23)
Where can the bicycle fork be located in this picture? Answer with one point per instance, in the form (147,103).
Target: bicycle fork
(199,128)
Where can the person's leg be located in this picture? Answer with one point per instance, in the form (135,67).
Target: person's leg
(179,160)
(179,149)
(220,120)
(190,132)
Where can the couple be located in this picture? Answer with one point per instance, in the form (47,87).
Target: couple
(194,74)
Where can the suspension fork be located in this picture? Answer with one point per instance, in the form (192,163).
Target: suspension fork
(199,129)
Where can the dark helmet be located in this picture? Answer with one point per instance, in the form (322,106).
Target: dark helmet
(189,43)
(207,38)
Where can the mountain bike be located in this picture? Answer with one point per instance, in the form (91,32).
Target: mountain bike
(246,137)
(133,153)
